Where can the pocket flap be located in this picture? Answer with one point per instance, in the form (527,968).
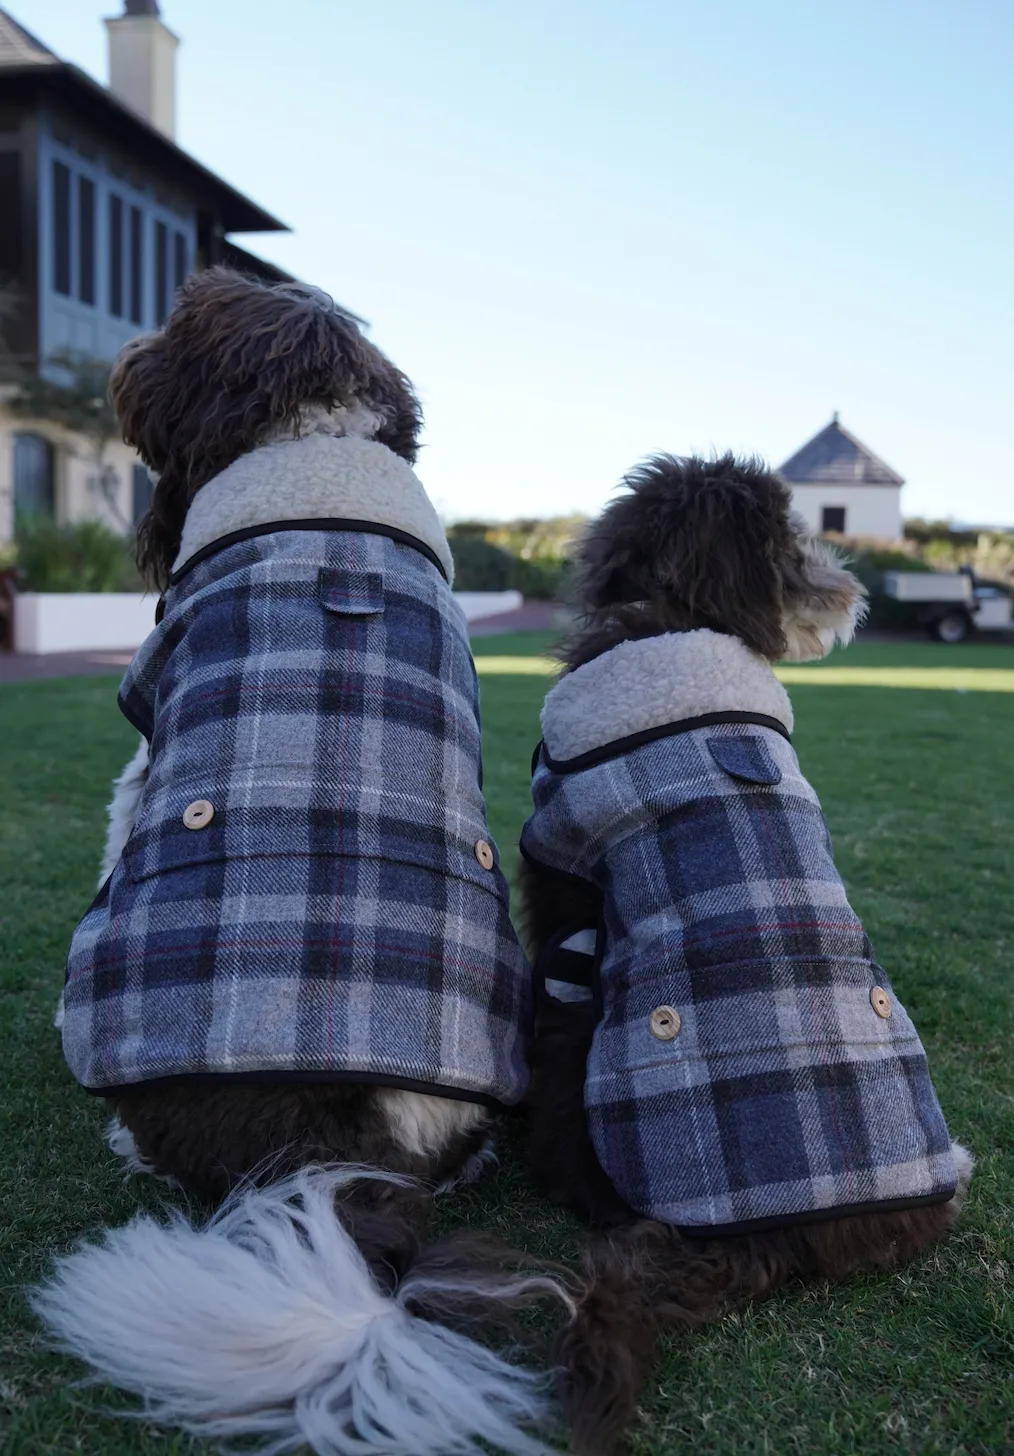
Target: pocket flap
(351,593)
(266,817)
(745,757)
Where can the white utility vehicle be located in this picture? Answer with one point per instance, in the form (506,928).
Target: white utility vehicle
(951,604)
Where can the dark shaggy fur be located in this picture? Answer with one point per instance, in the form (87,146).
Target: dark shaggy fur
(689,544)
(236,358)
(239,360)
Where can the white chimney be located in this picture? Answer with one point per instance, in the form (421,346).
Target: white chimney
(142,64)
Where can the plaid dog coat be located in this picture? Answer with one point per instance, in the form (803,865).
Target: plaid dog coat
(752,1064)
(309,890)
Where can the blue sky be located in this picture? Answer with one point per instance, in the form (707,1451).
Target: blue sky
(593,230)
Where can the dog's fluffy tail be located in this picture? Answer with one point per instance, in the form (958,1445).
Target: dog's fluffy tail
(267,1322)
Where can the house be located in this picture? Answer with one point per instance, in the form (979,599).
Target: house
(838,484)
(102,216)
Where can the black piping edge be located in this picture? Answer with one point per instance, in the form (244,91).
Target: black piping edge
(364,1079)
(815,1215)
(619,746)
(316,523)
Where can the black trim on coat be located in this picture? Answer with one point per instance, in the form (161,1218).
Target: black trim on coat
(316,523)
(619,746)
(814,1215)
(363,1079)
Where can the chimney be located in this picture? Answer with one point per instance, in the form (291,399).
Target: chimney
(142,64)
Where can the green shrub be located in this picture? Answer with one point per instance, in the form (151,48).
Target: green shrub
(541,579)
(529,556)
(478,564)
(85,557)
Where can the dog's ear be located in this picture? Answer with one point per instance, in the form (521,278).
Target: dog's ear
(139,384)
(396,402)
(823,602)
(698,542)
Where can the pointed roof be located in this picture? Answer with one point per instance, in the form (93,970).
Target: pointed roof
(835,457)
(18,47)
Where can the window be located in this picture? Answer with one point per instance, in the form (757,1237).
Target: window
(161,272)
(34,477)
(61,228)
(832,518)
(142,489)
(86,240)
(10,215)
(180,259)
(136,265)
(115,255)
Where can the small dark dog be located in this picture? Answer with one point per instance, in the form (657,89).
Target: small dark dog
(300,953)
(724,1080)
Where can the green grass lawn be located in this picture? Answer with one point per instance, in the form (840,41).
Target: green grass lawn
(917,784)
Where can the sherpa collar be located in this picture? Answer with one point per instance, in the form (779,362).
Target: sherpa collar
(647,684)
(318,477)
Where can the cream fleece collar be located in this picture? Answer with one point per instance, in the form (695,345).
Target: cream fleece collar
(658,680)
(316,477)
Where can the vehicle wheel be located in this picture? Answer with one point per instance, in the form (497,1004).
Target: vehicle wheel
(951,627)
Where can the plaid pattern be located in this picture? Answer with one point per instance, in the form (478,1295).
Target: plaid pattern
(317,687)
(784,1093)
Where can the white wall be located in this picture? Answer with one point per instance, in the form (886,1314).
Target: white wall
(82,621)
(870,510)
(117,621)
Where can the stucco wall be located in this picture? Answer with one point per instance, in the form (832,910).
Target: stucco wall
(870,510)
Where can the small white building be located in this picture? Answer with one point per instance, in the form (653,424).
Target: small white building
(838,484)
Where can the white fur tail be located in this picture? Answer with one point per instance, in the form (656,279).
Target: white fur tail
(267,1323)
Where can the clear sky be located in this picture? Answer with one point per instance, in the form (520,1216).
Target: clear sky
(590,230)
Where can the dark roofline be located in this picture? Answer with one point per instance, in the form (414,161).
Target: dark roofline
(898,479)
(239,213)
(836,426)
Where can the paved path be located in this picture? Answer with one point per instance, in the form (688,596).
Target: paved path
(533,616)
(31,666)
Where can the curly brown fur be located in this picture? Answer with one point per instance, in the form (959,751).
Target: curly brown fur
(211,1135)
(241,364)
(237,358)
(689,544)
(646,1278)
(706,543)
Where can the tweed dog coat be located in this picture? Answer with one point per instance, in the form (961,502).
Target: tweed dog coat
(309,890)
(752,1065)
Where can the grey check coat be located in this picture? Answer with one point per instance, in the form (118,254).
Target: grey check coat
(332,916)
(741,1073)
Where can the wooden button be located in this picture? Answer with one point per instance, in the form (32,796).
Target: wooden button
(665,1023)
(199,814)
(484,854)
(880,1001)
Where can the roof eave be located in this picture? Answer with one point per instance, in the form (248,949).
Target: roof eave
(63,74)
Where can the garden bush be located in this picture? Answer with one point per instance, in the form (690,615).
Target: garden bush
(478,564)
(84,557)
